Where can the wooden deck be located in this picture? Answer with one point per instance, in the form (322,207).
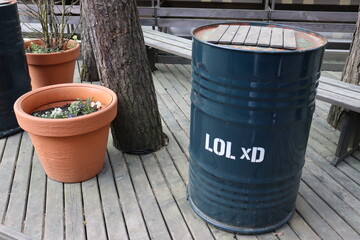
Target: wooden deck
(143,197)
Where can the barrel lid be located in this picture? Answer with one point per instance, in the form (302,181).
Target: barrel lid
(260,37)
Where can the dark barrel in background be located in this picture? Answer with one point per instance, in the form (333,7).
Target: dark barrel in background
(14,77)
(251,110)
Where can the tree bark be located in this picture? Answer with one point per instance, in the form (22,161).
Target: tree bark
(119,49)
(351,74)
(88,71)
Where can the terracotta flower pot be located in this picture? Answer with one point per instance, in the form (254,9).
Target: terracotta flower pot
(52,68)
(71,149)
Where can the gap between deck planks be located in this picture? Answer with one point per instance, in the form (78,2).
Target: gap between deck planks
(145,197)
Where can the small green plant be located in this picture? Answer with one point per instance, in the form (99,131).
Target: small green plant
(77,108)
(35,48)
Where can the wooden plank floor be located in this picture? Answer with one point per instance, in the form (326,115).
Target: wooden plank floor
(143,197)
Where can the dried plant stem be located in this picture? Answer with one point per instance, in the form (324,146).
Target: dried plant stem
(53,16)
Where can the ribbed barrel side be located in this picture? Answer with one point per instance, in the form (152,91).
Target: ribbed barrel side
(14,77)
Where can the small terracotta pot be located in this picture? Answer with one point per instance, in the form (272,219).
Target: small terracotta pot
(71,149)
(52,68)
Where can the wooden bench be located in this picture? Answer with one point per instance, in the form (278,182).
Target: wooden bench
(329,90)
(347,96)
(168,43)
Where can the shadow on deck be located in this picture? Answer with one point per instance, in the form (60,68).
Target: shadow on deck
(143,197)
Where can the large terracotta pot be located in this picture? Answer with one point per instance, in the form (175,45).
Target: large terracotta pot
(52,68)
(72,149)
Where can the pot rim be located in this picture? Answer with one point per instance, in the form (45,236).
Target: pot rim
(44,59)
(101,117)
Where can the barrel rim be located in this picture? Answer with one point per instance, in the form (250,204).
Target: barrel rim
(7,3)
(234,228)
(260,51)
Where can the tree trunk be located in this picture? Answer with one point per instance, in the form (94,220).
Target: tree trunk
(119,49)
(351,74)
(88,71)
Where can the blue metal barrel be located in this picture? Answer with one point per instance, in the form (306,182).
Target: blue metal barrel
(14,77)
(251,110)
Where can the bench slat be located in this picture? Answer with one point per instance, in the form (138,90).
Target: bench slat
(289,39)
(340,91)
(217,34)
(344,85)
(277,38)
(265,37)
(229,34)
(166,35)
(169,48)
(240,36)
(337,100)
(167,41)
(253,36)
